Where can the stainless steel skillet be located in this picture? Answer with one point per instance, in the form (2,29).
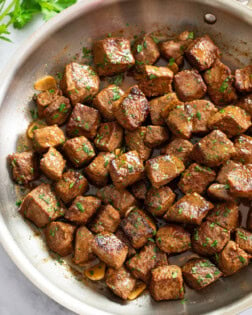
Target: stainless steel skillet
(46,52)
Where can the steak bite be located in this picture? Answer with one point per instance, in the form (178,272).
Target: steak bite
(232,259)
(41,206)
(59,237)
(155,136)
(109,136)
(219,191)
(126,169)
(200,272)
(138,227)
(243,79)
(173,239)
(120,281)
(209,238)
(46,137)
(24,167)
(83,246)
(196,178)
(135,141)
(219,83)
(225,169)
(213,150)
(240,181)
(191,208)
(145,50)
(71,185)
(121,199)
(52,164)
(173,50)
(105,100)
(112,55)
(121,235)
(232,120)
(98,170)
(202,53)
(131,109)
(155,81)
(226,215)
(45,98)
(107,219)
(149,257)
(180,148)
(243,147)
(244,239)
(166,283)
(110,249)
(84,121)
(189,85)
(80,82)
(79,150)
(161,106)
(163,169)
(139,189)
(57,111)
(246,103)
(82,209)
(158,200)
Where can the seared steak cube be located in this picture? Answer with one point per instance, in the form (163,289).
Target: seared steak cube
(121,235)
(24,167)
(155,81)
(191,208)
(180,148)
(158,200)
(105,100)
(209,238)
(41,206)
(57,111)
(200,272)
(246,103)
(179,122)
(232,259)
(83,246)
(226,215)
(225,169)
(139,189)
(82,209)
(109,136)
(161,106)
(214,149)
(189,85)
(126,169)
(138,227)
(120,281)
(112,55)
(44,138)
(71,185)
(145,50)
(80,82)
(232,120)
(240,181)
(53,164)
(131,109)
(107,219)
(243,147)
(196,178)
(120,199)
(110,249)
(173,50)
(148,258)
(44,99)
(244,239)
(163,169)
(201,53)
(59,237)
(219,192)
(84,121)
(166,283)
(243,79)
(155,136)
(219,83)
(79,150)
(135,141)
(98,170)
(173,239)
